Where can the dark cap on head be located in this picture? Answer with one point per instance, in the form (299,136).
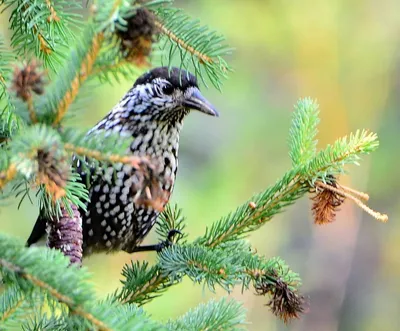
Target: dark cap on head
(177,77)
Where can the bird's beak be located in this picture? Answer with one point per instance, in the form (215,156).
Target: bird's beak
(198,102)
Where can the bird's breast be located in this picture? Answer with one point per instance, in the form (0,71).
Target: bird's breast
(160,144)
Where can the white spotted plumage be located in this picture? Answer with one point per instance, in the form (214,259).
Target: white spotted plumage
(151,113)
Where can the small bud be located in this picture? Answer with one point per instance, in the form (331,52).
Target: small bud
(252,205)
(28,79)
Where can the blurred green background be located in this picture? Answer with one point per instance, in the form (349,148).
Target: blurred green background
(346,55)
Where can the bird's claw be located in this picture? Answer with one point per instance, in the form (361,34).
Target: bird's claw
(169,241)
(172,233)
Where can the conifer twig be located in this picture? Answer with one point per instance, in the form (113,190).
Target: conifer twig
(80,78)
(78,310)
(31,110)
(99,156)
(44,47)
(12,309)
(100,69)
(152,285)
(202,57)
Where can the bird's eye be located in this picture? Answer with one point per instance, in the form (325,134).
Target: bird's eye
(168,89)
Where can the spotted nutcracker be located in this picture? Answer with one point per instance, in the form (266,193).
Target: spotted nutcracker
(152,113)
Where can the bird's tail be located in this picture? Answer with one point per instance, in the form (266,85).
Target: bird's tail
(38,231)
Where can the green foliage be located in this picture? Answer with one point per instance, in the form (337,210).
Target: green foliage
(44,276)
(42,28)
(302,143)
(172,219)
(214,315)
(200,265)
(345,150)
(48,105)
(39,152)
(200,50)
(142,283)
(9,122)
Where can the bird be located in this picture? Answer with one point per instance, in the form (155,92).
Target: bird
(152,114)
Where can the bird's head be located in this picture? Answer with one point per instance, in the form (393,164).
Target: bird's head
(169,94)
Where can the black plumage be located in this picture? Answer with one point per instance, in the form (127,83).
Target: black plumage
(151,113)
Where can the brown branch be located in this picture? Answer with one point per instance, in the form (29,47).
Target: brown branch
(78,310)
(31,110)
(134,161)
(380,217)
(80,78)
(99,69)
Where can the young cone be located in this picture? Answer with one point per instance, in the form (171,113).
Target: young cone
(65,234)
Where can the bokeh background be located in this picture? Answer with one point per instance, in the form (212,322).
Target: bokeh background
(346,55)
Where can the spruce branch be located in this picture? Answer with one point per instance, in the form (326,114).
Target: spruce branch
(38,158)
(214,315)
(142,283)
(98,155)
(49,272)
(9,122)
(207,259)
(81,76)
(42,27)
(292,186)
(200,50)
(200,265)
(172,219)
(302,133)
(130,39)
(248,218)
(10,302)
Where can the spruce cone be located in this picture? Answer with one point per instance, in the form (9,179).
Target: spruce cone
(65,234)
(138,38)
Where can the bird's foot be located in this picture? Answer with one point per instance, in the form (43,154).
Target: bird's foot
(160,246)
